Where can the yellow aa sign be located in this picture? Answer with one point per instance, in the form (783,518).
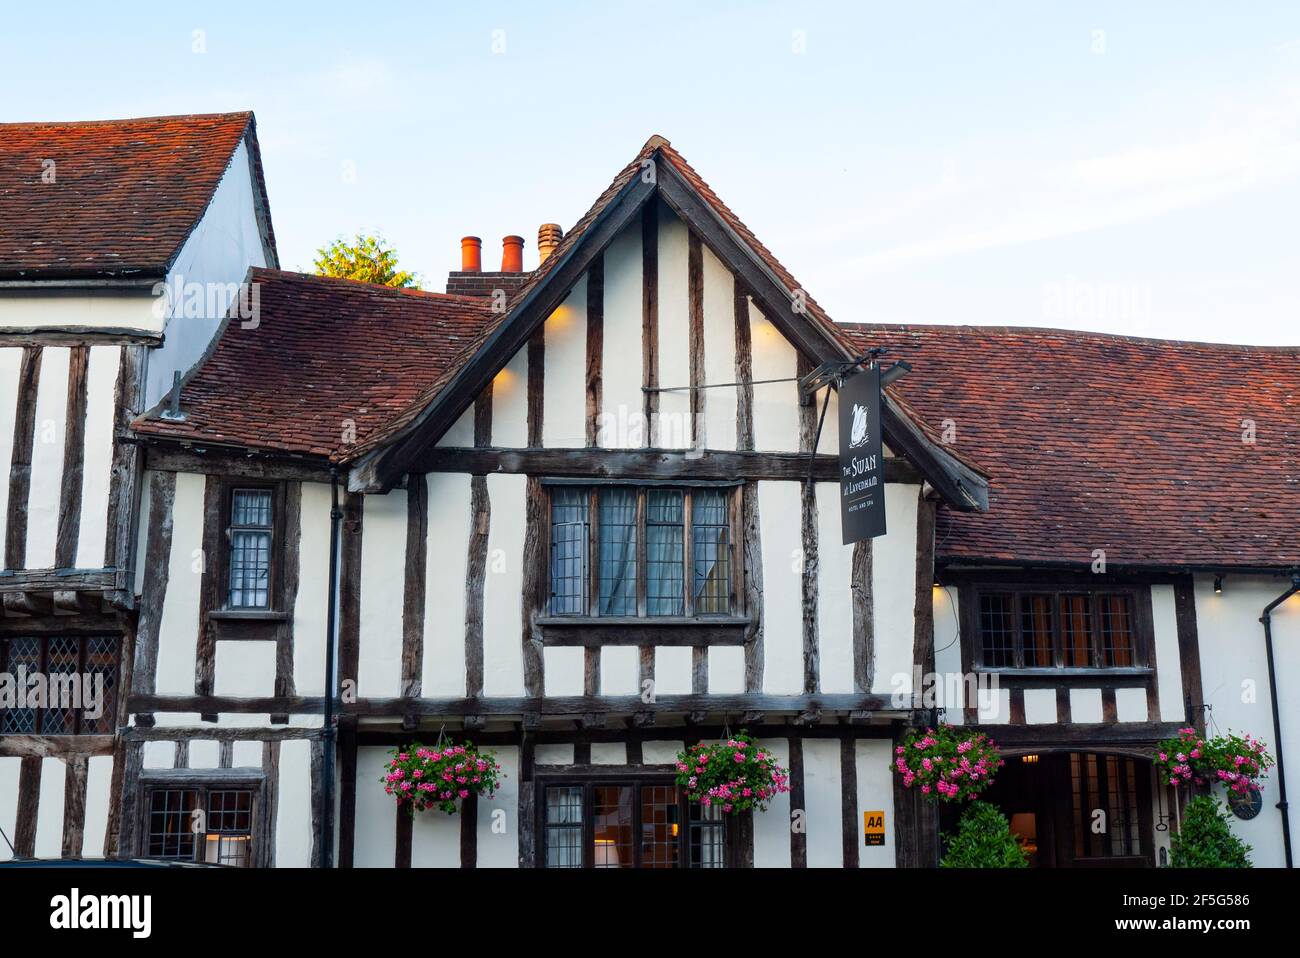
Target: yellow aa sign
(873,828)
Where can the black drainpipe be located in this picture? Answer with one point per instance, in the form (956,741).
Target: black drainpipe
(331,629)
(1267,619)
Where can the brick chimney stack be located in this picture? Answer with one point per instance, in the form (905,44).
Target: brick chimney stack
(512,254)
(548,237)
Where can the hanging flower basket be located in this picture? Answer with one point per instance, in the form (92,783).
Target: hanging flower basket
(735,775)
(948,764)
(1237,761)
(440,776)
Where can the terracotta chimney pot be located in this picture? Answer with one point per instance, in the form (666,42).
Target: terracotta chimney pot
(548,237)
(512,254)
(471,254)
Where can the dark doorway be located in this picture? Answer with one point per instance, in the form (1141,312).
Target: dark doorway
(1078,809)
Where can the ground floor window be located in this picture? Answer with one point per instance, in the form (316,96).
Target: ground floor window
(629,824)
(207,824)
(1105,792)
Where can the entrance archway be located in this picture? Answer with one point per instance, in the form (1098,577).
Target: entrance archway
(1079,809)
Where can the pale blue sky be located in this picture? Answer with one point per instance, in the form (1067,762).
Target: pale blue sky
(1116,166)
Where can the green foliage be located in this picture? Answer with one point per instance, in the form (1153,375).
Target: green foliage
(984,840)
(366,259)
(1205,840)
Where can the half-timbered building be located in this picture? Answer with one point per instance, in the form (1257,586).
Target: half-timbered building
(587,515)
(122,244)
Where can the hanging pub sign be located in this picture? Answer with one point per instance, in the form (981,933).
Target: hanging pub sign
(862,464)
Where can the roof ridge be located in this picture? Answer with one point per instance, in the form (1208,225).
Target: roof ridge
(361,284)
(128,119)
(1062,331)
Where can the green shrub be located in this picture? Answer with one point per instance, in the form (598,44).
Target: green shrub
(1205,840)
(984,840)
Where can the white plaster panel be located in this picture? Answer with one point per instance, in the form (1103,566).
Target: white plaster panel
(564,669)
(554,754)
(834,594)
(620,670)
(776,405)
(1040,706)
(375,838)
(179,626)
(673,670)
(99,796)
(893,589)
(435,840)
(1085,705)
(772,827)
(661,753)
(9,771)
(49,813)
(444,585)
(564,396)
(779,508)
(1131,705)
(510,403)
(875,794)
(498,817)
(672,430)
(719,420)
(503,665)
(47,458)
(1169,673)
(97,455)
(609,753)
(311,606)
(11,360)
(293,820)
(621,424)
(244,669)
(726,670)
(383,582)
(822,795)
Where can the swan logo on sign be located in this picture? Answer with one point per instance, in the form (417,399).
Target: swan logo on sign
(859,435)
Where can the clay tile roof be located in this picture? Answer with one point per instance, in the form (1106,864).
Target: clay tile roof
(1129,445)
(124,194)
(330,360)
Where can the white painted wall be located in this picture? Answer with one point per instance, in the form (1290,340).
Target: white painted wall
(834,594)
(672,430)
(779,509)
(719,354)
(52,309)
(435,840)
(9,769)
(823,789)
(564,398)
(621,424)
(11,359)
(311,605)
(875,793)
(97,454)
(498,817)
(47,457)
(443,668)
(893,589)
(375,838)
(510,403)
(220,250)
(383,579)
(776,405)
(49,813)
(179,627)
(772,827)
(99,792)
(293,821)
(1169,672)
(244,669)
(1234,679)
(503,665)
(673,670)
